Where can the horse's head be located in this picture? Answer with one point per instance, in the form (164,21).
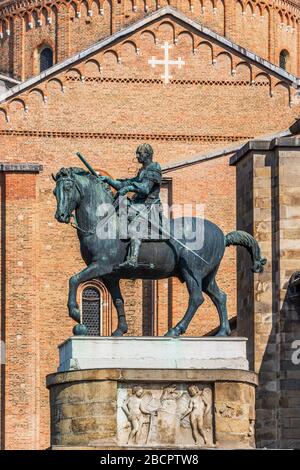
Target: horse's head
(68,192)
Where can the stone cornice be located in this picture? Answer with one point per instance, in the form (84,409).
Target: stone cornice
(21,167)
(7,79)
(264,146)
(221,152)
(157,375)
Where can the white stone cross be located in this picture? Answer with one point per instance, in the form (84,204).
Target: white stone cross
(166,62)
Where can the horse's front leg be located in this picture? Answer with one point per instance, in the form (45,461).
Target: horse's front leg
(87,274)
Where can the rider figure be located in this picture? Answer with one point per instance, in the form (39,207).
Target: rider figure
(146,186)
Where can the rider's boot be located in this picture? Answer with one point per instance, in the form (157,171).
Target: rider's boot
(132,259)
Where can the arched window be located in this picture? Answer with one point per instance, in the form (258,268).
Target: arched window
(283,59)
(46,58)
(91,310)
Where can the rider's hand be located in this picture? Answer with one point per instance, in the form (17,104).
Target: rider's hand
(105,179)
(123,191)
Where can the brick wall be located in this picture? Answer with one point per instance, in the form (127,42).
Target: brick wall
(25,27)
(106,115)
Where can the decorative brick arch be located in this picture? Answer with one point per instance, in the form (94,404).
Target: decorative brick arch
(113,15)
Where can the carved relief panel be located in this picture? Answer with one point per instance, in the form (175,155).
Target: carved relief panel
(165,415)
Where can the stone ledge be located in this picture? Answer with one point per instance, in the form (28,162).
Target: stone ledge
(21,167)
(263,146)
(11,81)
(86,352)
(155,375)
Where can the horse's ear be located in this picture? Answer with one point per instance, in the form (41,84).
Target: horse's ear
(53,177)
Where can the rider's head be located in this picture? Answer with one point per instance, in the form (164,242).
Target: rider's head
(144,153)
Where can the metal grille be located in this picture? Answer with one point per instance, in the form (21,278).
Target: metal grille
(91,302)
(46,59)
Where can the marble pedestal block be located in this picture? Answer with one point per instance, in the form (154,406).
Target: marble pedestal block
(83,352)
(174,394)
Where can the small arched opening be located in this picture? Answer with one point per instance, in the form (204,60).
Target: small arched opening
(91,307)
(284,59)
(96,308)
(46,58)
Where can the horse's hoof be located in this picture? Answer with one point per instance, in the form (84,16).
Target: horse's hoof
(224,332)
(80,330)
(119,332)
(173,332)
(75,314)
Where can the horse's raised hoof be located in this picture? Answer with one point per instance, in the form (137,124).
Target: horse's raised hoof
(174,332)
(75,314)
(80,330)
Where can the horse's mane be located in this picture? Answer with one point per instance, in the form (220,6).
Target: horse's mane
(76,171)
(71,171)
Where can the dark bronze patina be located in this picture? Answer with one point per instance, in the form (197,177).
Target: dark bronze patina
(83,192)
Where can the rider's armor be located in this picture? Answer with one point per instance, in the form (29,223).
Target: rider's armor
(152,174)
(145,207)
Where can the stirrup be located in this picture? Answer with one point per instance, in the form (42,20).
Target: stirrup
(138,265)
(129,263)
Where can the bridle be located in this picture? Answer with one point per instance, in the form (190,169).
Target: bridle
(74,223)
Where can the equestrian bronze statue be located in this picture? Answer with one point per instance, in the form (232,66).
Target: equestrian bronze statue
(82,194)
(146,187)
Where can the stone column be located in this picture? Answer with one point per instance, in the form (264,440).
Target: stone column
(257,317)
(268,187)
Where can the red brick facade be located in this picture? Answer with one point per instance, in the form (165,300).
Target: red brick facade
(105,104)
(266,28)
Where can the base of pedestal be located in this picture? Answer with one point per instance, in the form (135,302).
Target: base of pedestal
(125,448)
(122,408)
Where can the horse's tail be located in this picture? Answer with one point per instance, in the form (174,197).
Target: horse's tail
(246,240)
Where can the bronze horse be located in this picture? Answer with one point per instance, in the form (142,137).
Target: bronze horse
(78,190)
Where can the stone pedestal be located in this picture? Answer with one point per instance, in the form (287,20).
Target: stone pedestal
(83,352)
(183,402)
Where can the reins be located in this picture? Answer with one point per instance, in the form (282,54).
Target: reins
(75,225)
